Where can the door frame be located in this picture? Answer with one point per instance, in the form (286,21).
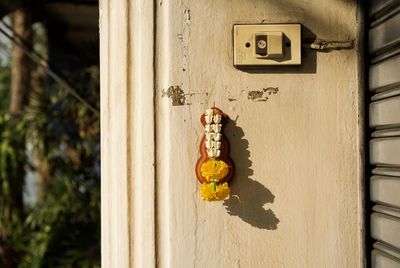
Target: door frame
(127,139)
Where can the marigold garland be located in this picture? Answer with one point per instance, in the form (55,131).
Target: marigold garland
(214,170)
(214,192)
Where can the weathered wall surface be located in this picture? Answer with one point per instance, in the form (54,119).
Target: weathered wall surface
(294,136)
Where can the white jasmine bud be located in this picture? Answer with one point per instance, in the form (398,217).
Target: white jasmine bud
(217,118)
(217,128)
(209,136)
(208,128)
(209,144)
(217,136)
(217,145)
(209,111)
(208,118)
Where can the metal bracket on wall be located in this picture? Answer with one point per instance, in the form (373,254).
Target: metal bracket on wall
(323,45)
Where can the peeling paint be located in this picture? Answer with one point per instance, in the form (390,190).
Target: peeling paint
(187,16)
(256,94)
(262,95)
(179,97)
(271,90)
(176,94)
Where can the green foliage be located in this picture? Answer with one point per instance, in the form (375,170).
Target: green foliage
(64,228)
(5,80)
(58,139)
(63,231)
(12,161)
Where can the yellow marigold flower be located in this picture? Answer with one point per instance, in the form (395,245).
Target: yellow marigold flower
(214,170)
(214,192)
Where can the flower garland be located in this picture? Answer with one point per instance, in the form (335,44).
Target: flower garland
(214,169)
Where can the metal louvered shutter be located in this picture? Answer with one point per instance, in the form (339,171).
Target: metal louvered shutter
(384,121)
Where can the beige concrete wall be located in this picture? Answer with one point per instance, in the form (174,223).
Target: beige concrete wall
(296,193)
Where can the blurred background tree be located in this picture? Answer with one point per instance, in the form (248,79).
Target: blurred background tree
(49,134)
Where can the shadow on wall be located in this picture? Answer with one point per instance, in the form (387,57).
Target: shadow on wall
(248,196)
